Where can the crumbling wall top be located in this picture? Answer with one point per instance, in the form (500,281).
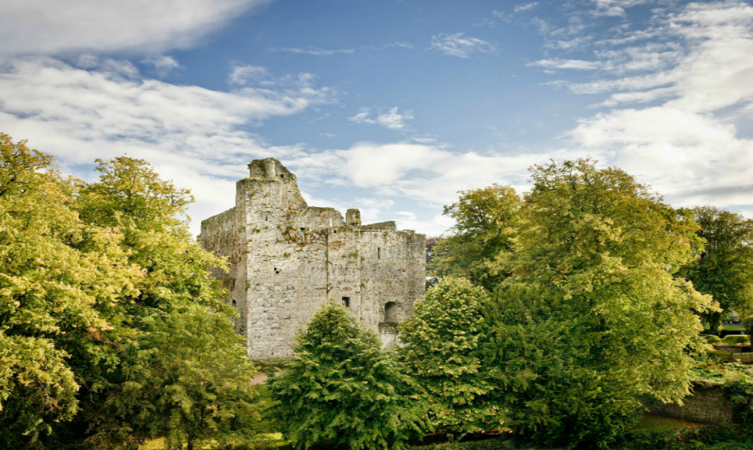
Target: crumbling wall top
(385,226)
(353,217)
(269,169)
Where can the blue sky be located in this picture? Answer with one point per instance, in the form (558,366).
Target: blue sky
(391,106)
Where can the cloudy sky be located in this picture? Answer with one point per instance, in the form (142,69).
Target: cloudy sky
(391,106)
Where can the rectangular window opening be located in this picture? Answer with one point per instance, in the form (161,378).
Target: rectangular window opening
(346,302)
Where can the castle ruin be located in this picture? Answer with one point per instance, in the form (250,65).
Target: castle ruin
(286,258)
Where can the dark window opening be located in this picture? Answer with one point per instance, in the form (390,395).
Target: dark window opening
(390,312)
(234,304)
(379,252)
(282,176)
(303,229)
(266,218)
(346,302)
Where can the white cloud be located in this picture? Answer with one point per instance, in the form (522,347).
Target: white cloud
(615,7)
(195,136)
(55,27)
(573,64)
(389,118)
(241,75)
(162,64)
(525,7)
(460,45)
(696,76)
(315,51)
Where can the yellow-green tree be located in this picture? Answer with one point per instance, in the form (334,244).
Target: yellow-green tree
(59,281)
(98,284)
(593,318)
(486,223)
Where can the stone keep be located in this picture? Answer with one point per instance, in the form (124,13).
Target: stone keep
(286,258)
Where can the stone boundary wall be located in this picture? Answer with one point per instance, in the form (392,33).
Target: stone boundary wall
(708,404)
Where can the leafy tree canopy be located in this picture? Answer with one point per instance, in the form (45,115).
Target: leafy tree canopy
(592,318)
(58,279)
(90,276)
(724,269)
(486,222)
(342,389)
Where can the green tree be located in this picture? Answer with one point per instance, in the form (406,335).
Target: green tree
(442,353)
(486,222)
(593,319)
(188,379)
(342,389)
(724,269)
(59,281)
(99,286)
(175,291)
(151,214)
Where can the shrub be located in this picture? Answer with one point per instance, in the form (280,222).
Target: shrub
(735,339)
(343,390)
(711,339)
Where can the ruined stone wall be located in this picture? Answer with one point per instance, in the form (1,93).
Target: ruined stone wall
(289,258)
(708,404)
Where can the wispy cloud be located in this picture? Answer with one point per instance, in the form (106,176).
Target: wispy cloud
(615,7)
(389,118)
(314,51)
(162,64)
(53,27)
(573,64)
(496,14)
(460,45)
(675,103)
(525,7)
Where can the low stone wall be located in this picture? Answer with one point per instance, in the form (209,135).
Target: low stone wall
(708,404)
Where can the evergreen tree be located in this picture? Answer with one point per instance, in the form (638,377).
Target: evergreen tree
(342,389)
(441,350)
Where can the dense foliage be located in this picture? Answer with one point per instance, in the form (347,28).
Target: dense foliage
(592,319)
(441,350)
(486,222)
(342,389)
(724,269)
(90,275)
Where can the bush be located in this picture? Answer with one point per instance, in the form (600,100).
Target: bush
(711,339)
(343,390)
(735,339)
(748,325)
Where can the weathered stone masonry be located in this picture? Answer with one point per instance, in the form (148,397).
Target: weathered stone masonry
(287,258)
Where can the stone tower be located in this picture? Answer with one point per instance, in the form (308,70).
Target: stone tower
(286,258)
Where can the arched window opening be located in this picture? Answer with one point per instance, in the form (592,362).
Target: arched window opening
(390,312)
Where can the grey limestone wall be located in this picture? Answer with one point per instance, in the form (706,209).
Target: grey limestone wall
(288,258)
(708,404)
